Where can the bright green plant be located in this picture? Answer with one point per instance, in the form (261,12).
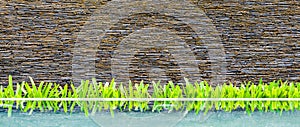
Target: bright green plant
(94,89)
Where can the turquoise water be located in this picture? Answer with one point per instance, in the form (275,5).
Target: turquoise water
(104,119)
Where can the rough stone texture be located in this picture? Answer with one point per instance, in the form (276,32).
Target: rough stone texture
(260,39)
(36,38)
(118,31)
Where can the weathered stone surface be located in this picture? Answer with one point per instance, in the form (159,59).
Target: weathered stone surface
(260,39)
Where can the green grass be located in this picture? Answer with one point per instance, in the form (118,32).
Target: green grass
(94,89)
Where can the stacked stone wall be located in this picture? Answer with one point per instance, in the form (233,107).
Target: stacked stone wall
(250,40)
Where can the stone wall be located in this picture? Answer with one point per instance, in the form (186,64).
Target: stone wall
(61,41)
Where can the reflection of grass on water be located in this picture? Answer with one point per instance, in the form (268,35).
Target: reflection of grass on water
(93,89)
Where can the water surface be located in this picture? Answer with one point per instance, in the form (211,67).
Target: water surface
(212,119)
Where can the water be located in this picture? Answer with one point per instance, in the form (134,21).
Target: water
(212,119)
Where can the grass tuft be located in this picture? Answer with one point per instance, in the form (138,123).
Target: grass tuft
(94,89)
